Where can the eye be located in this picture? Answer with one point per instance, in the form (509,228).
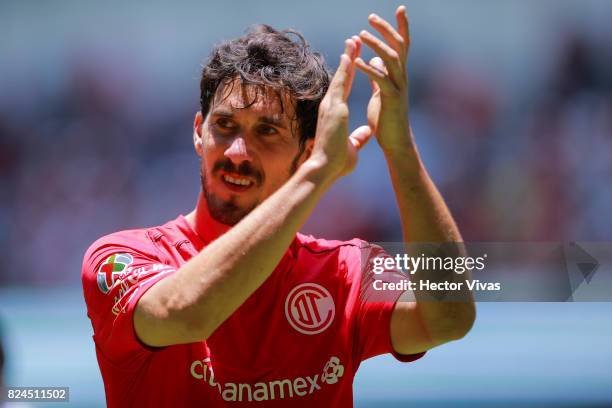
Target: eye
(225,124)
(267,130)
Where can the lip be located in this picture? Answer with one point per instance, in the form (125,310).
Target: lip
(234,187)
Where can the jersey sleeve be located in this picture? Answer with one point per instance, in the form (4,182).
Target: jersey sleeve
(374,308)
(116,273)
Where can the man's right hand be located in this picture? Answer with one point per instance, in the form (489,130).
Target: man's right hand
(334,151)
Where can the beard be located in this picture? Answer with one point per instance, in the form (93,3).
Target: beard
(228,212)
(225,211)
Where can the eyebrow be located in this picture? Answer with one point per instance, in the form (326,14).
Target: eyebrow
(275,120)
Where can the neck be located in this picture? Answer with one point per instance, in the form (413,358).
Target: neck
(203,223)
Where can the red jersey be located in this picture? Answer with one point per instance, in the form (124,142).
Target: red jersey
(296,341)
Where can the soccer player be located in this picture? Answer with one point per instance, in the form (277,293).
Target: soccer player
(230,304)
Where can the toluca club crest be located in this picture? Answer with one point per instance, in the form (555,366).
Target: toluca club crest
(309,308)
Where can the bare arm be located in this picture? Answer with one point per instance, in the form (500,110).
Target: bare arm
(189,305)
(429,221)
(420,325)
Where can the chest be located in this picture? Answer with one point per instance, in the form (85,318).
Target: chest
(291,326)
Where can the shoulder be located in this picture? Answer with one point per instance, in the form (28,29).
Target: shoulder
(126,248)
(117,261)
(120,250)
(139,241)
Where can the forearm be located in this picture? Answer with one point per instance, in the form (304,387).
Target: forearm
(212,285)
(423,212)
(427,220)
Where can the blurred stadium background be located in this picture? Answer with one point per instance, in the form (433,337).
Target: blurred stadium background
(511,104)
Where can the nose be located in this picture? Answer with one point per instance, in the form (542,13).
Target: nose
(237,151)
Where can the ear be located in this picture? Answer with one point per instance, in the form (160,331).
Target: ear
(308,145)
(197,133)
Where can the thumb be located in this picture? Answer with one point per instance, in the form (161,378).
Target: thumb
(360,136)
(377,63)
(375,87)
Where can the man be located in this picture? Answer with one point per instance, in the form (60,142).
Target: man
(229,304)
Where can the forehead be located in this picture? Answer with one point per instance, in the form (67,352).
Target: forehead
(248,98)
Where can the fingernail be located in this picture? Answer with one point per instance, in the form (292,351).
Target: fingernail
(373,16)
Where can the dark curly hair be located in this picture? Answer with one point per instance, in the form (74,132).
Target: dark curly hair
(279,60)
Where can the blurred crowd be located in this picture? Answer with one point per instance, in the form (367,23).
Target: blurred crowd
(86,160)
(535,167)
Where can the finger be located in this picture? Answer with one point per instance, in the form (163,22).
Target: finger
(395,40)
(370,70)
(338,85)
(402,24)
(389,55)
(379,77)
(356,50)
(376,62)
(360,136)
(351,49)
(375,87)
(357,42)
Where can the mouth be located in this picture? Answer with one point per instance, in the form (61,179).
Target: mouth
(237,183)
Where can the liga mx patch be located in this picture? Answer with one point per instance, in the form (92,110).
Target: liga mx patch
(111,269)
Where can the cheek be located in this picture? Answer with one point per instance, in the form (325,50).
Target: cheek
(207,161)
(277,168)
(210,138)
(211,150)
(208,142)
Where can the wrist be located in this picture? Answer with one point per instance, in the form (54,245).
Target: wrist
(318,170)
(395,137)
(404,157)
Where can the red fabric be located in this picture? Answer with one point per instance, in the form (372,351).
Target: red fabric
(257,354)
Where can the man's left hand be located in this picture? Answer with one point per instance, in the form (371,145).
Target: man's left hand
(388,106)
